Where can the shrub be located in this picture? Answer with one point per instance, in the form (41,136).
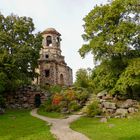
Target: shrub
(55,89)
(64,104)
(69,99)
(57,98)
(69,94)
(47,106)
(56,108)
(82,96)
(73,106)
(93,109)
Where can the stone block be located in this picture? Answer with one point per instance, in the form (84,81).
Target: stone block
(103,120)
(121,112)
(109,105)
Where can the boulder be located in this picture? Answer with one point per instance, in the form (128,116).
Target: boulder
(103,120)
(128,103)
(110,111)
(109,105)
(107,97)
(101,100)
(131,110)
(63,110)
(136,110)
(104,110)
(122,112)
(101,94)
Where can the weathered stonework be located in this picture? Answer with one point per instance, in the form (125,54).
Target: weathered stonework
(53,69)
(113,107)
(25,97)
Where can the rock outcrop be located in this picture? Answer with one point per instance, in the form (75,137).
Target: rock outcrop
(113,107)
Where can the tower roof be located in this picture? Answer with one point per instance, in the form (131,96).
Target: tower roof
(51,31)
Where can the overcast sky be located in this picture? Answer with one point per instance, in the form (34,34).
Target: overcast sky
(63,15)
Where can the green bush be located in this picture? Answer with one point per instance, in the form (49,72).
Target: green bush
(55,89)
(73,106)
(64,104)
(69,99)
(93,109)
(47,105)
(82,96)
(56,108)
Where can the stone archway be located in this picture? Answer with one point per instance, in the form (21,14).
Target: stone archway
(61,79)
(37,100)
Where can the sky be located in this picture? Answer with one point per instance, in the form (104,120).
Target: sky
(66,16)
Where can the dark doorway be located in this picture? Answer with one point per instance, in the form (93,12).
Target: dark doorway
(61,79)
(37,100)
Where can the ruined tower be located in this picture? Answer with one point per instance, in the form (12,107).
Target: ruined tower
(53,69)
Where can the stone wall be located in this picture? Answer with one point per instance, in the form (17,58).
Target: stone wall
(113,107)
(24,97)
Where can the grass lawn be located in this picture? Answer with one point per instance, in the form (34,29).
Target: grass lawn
(19,125)
(51,114)
(114,129)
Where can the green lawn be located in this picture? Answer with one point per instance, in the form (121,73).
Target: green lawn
(114,129)
(51,114)
(19,125)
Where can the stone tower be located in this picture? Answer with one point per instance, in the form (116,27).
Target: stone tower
(53,69)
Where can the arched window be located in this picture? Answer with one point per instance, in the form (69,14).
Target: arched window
(49,41)
(61,79)
(58,39)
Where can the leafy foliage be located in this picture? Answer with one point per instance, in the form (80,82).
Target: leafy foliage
(68,100)
(19,51)
(112,33)
(130,77)
(83,79)
(93,109)
(112,29)
(2,102)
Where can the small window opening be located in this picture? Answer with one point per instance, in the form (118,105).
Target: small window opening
(47,73)
(49,41)
(58,39)
(47,56)
(47,84)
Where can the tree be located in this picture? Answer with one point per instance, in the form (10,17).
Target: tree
(83,79)
(129,80)
(112,33)
(19,51)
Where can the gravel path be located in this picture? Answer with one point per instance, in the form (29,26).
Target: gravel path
(60,127)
